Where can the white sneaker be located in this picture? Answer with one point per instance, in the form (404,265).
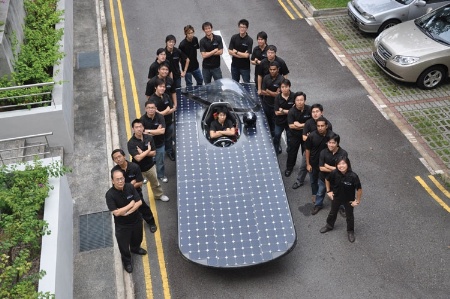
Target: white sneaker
(164,179)
(164,198)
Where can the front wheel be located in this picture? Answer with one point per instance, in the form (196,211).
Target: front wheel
(431,77)
(388,24)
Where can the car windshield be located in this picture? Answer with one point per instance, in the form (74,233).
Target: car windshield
(404,2)
(224,90)
(436,25)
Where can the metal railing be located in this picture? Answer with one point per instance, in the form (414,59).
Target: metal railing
(41,95)
(23,148)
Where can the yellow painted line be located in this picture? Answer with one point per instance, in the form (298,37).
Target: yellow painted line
(432,194)
(157,235)
(120,68)
(295,9)
(286,9)
(443,190)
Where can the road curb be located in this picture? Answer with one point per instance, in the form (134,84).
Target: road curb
(323,12)
(124,282)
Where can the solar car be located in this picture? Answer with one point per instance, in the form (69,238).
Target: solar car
(232,205)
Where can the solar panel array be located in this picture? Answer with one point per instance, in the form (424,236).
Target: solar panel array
(232,206)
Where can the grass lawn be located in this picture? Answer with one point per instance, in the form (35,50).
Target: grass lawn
(328,3)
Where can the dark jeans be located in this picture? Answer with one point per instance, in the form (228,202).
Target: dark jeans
(211,73)
(270,115)
(177,82)
(335,204)
(314,180)
(236,74)
(302,172)
(145,211)
(168,139)
(129,238)
(277,135)
(295,142)
(197,75)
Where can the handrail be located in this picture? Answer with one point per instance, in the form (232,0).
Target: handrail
(19,148)
(39,94)
(26,137)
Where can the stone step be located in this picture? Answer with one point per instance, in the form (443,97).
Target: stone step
(11,151)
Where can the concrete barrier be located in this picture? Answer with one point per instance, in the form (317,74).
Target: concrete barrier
(57,118)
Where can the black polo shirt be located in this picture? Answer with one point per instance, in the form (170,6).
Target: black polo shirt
(265,63)
(174,60)
(161,104)
(302,116)
(153,124)
(311,125)
(190,49)
(207,45)
(116,199)
(286,104)
(272,84)
(260,54)
(216,126)
(344,186)
(153,70)
(241,44)
(147,162)
(315,144)
(327,157)
(151,85)
(133,172)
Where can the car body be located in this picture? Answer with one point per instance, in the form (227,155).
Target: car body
(232,206)
(417,51)
(374,16)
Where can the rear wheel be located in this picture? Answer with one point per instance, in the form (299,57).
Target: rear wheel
(431,77)
(388,24)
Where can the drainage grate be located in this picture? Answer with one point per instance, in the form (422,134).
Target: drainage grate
(88,59)
(95,231)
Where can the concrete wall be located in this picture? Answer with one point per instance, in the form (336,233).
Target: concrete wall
(57,118)
(12,13)
(57,248)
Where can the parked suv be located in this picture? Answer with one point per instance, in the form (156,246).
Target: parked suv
(417,51)
(374,16)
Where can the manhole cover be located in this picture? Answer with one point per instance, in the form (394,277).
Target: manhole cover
(95,231)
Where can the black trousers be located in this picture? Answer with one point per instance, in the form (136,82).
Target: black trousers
(335,204)
(129,237)
(294,145)
(146,212)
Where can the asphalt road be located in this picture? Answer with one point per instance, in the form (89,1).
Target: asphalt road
(402,234)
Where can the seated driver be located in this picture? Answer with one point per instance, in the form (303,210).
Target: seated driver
(221,127)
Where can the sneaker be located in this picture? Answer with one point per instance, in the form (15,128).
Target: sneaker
(316,210)
(325,229)
(171,156)
(164,198)
(164,179)
(297,185)
(144,181)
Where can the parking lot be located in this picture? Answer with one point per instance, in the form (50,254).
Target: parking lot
(426,112)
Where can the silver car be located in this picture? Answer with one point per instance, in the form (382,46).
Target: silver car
(417,51)
(374,16)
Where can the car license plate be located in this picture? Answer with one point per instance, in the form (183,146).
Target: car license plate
(352,16)
(380,60)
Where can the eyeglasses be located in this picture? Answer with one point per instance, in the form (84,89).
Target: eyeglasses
(243,27)
(120,179)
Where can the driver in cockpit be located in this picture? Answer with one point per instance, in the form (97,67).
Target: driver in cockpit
(221,126)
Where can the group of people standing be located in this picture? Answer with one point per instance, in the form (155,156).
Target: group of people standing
(305,126)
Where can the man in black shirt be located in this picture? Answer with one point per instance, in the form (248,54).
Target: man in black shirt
(133,175)
(165,108)
(163,74)
(221,127)
(265,64)
(284,101)
(123,201)
(155,125)
(297,116)
(211,47)
(259,52)
(316,142)
(175,56)
(143,150)
(270,89)
(160,58)
(189,46)
(240,48)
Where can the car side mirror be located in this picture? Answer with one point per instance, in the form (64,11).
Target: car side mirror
(421,3)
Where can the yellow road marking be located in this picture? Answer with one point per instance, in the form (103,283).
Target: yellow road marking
(295,9)
(432,194)
(157,235)
(433,179)
(286,9)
